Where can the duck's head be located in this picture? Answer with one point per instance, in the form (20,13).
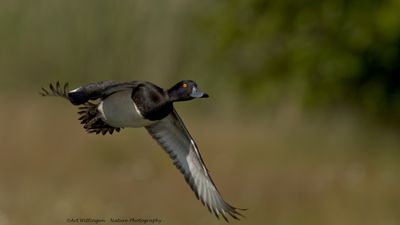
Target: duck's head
(185,90)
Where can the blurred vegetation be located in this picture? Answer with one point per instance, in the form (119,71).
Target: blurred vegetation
(328,54)
(291,85)
(332,52)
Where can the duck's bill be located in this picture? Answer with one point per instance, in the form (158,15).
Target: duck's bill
(196,93)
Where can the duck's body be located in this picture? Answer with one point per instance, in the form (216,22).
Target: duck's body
(143,104)
(118,110)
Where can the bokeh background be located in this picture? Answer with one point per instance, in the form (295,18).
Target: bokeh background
(302,126)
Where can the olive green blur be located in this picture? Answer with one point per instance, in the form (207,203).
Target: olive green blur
(301,127)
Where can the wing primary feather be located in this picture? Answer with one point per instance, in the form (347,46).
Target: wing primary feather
(172,135)
(55,90)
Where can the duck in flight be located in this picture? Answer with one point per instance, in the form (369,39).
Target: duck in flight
(109,106)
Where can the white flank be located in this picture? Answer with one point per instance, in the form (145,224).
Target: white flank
(119,110)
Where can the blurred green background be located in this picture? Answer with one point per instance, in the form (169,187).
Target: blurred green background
(302,126)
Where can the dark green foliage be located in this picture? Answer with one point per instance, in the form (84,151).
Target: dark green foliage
(332,53)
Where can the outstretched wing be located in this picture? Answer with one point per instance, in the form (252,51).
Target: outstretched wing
(89,115)
(174,138)
(88,92)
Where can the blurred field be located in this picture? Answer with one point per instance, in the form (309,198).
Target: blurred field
(302,126)
(286,168)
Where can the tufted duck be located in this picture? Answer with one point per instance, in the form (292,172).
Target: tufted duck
(143,104)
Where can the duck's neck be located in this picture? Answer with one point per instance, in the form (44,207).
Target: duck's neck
(172,95)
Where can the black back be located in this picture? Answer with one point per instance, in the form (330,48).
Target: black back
(102,89)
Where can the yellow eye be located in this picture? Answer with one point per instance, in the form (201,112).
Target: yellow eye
(184,85)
